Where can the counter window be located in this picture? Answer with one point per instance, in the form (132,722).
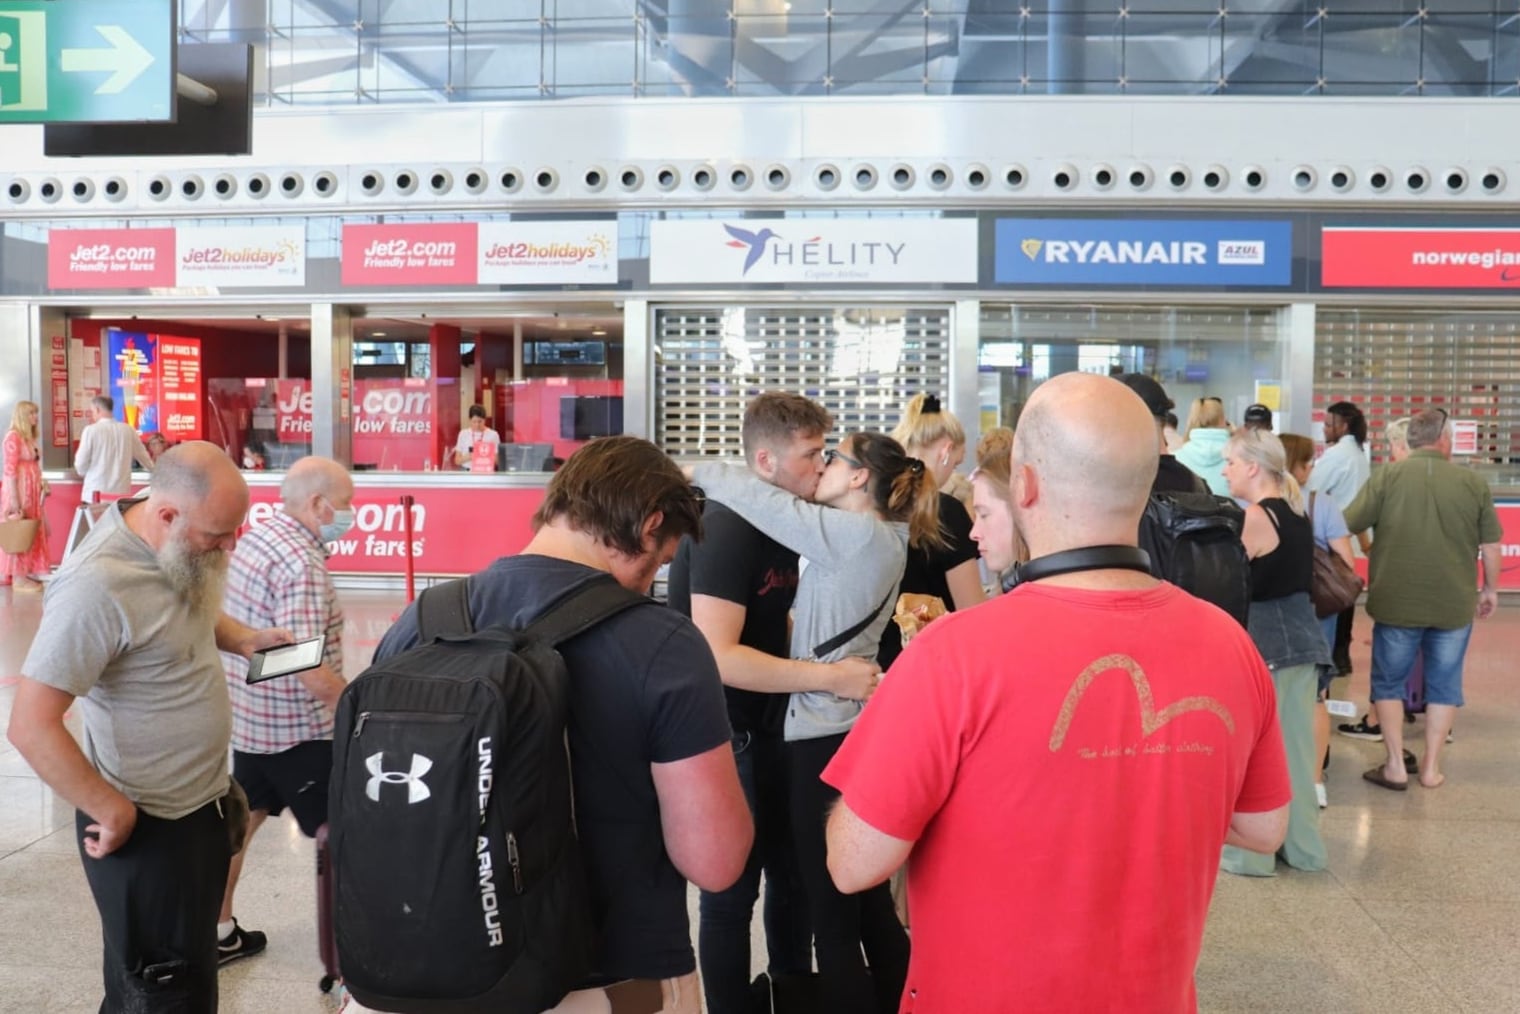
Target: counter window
(510,395)
(1229,353)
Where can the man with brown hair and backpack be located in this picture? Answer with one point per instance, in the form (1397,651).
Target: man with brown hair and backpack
(657,802)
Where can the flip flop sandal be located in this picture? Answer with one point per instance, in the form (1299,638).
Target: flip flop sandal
(1376,777)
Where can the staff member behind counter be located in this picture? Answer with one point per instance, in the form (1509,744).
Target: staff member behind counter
(471,437)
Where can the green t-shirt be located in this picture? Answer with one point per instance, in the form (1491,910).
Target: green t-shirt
(1431,516)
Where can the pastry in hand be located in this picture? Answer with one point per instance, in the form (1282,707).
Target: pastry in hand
(915,611)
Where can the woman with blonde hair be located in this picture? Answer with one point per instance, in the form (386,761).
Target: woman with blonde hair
(1331,535)
(941,562)
(1279,540)
(872,500)
(1204,451)
(21,494)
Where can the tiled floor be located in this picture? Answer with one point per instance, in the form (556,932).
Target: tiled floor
(1419,912)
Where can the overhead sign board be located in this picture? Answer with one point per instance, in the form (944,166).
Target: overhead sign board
(87,61)
(753,251)
(221,257)
(1367,258)
(1196,253)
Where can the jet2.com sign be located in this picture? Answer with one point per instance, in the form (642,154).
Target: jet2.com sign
(1107,252)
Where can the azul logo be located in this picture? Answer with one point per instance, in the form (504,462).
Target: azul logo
(813,252)
(1242,251)
(416,789)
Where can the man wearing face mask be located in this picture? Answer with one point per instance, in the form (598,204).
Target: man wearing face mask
(282,728)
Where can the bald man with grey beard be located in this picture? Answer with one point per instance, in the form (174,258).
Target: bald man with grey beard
(1081,747)
(130,629)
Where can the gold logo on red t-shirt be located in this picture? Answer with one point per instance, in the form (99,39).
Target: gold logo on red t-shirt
(1150,718)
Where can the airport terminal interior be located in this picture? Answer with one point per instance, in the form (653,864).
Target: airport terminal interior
(336,227)
(1418,912)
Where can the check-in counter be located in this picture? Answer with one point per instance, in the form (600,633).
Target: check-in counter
(459,522)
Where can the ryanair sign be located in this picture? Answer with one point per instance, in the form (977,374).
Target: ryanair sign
(1192,253)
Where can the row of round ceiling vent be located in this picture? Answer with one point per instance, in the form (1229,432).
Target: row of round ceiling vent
(826,177)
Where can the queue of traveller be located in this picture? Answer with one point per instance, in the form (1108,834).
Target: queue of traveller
(748,734)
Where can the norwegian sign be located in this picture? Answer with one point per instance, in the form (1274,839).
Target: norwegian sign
(87,61)
(813,251)
(1419,258)
(1096,251)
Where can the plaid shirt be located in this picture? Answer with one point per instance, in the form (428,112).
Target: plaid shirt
(278,578)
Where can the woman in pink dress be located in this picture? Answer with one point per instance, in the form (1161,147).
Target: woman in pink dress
(21,495)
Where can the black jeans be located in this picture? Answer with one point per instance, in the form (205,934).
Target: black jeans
(158,897)
(1340,651)
(723,932)
(843,924)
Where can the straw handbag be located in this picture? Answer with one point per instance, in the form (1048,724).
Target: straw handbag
(17,536)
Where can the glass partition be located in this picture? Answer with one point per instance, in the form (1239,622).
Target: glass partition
(1231,353)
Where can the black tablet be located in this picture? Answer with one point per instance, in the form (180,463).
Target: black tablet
(285,659)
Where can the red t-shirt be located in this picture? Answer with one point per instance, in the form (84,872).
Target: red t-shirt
(1067,763)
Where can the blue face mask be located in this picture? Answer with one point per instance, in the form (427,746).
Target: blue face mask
(338,527)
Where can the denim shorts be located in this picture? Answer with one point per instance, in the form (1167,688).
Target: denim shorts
(1393,654)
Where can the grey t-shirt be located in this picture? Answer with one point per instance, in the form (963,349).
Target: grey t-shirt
(144,666)
(854,563)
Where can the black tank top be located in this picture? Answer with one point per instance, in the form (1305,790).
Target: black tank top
(1290,567)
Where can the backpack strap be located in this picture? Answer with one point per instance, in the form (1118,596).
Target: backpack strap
(840,640)
(582,608)
(443,610)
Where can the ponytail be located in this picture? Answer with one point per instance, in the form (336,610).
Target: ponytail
(925,423)
(902,488)
(915,496)
(1294,494)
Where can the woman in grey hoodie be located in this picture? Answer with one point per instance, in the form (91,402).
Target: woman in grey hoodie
(854,540)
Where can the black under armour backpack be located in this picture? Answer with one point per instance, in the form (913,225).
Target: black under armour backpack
(1193,540)
(458,882)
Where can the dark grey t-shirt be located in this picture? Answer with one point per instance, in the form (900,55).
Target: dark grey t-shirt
(644,690)
(145,668)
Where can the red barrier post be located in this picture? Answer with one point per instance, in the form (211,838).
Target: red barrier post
(411,565)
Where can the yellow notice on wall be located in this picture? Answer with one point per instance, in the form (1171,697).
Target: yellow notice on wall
(1269,395)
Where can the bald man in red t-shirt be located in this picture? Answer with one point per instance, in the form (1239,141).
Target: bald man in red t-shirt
(1061,766)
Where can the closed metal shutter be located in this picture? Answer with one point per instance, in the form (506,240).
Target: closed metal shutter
(1394,363)
(861,363)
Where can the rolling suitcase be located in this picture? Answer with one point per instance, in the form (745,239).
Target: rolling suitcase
(327,941)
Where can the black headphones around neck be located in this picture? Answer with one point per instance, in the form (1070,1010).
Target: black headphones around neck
(1070,561)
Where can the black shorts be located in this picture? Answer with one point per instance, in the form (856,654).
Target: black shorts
(296,778)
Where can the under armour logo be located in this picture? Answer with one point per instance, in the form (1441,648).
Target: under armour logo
(416,790)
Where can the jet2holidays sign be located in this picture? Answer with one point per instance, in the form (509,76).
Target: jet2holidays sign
(1094,251)
(818,251)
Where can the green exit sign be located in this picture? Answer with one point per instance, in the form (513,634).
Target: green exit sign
(86,61)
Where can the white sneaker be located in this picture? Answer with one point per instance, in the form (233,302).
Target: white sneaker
(1319,795)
